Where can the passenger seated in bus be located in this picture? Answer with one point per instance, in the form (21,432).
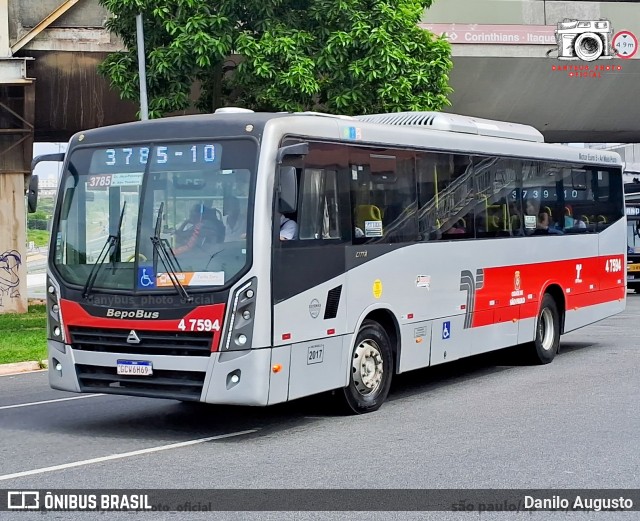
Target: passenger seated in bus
(545,226)
(457,228)
(531,207)
(570,221)
(288,229)
(201,229)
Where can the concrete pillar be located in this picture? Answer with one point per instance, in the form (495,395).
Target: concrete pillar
(16,149)
(17,111)
(5,48)
(13,269)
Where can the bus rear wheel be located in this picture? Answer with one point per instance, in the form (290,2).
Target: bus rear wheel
(371,369)
(547,341)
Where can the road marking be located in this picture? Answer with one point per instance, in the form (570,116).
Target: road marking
(123,455)
(50,401)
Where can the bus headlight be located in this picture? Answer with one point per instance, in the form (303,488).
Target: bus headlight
(240,323)
(54,317)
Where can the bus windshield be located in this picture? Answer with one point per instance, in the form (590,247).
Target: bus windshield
(176,210)
(633,229)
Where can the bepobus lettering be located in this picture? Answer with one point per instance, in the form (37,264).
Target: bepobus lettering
(134,313)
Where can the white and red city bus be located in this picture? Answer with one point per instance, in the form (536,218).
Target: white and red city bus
(411,239)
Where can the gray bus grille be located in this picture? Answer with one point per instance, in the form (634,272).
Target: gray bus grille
(151,342)
(174,385)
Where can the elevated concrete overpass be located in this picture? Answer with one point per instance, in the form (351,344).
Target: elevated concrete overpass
(64,41)
(502,70)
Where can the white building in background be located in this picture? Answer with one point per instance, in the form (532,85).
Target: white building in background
(630,154)
(47,187)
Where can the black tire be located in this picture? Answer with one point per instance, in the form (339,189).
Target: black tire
(544,348)
(369,384)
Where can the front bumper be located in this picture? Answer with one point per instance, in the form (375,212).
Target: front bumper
(237,377)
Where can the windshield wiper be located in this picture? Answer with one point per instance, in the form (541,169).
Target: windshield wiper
(213,255)
(110,246)
(162,249)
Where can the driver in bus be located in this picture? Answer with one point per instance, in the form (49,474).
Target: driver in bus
(288,229)
(201,229)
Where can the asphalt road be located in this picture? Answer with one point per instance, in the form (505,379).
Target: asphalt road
(486,422)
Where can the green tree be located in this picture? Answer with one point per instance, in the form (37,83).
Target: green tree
(340,56)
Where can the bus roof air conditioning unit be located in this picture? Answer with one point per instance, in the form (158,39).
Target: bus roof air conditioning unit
(232,110)
(457,123)
(322,114)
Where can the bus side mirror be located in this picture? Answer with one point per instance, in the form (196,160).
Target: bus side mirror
(32,190)
(287,189)
(32,194)
(297,149)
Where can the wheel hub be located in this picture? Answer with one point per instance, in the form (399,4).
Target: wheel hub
(546,329)
(367,367)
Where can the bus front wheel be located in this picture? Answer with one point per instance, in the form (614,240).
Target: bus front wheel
(547,341)
(371,368)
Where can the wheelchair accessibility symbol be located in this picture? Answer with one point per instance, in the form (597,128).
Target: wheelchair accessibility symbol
(144,279)
(446,330)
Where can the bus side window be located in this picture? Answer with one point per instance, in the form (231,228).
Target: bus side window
(323,193)
(446,196)
(383,195)
(319,208)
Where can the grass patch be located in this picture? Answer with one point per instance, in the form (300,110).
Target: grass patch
(39,237)
(23,337)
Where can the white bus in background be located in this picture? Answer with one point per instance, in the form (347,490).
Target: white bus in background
(421,238)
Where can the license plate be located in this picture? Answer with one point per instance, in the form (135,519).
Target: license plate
(633,267)
(134,367)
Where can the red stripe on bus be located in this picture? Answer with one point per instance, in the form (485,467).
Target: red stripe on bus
(517,290)
(197,320)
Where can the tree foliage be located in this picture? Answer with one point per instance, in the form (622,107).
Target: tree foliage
(340,56)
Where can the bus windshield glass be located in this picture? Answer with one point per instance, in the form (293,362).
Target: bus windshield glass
(160,213)
(633,228)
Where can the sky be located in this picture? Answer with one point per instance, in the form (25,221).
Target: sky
(48,169)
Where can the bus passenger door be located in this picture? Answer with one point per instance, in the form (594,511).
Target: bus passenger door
(309,292)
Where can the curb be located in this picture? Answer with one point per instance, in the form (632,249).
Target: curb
(22,367)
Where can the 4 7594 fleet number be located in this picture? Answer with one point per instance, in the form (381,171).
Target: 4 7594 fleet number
(613,265)
(199,324)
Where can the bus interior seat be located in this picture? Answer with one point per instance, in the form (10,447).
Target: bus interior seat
(367,212)
(494,223)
